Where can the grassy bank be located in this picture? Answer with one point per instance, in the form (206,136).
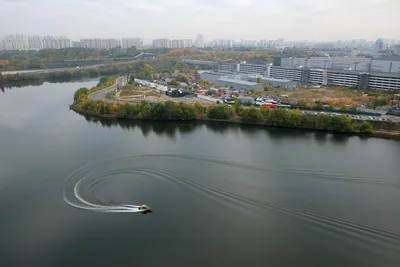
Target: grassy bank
(234,114)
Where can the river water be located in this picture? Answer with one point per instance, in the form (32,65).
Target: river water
(222,195)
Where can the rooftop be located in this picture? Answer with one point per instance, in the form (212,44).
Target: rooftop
(237,81)
(269,79)
(388,58)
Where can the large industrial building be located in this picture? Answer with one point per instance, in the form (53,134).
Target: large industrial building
(275,83)
(245,81)
(355,72)
(231,66)
(367,73)
(240,84)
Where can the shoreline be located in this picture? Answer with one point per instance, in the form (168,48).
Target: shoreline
(392,135)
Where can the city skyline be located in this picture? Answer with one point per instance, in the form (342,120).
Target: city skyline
(24,42)
(217,19)
(195,36)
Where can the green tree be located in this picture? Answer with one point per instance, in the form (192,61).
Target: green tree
(79,93)
(322,122)
(175,83)
(319,106)
(277,117)
(365,127)
(237,106)
(251,115)
(267,87)
(181,78)
(381,101)
(259,80)
(341,124)
(198,106)
(218,112)
(370,105)
(264,111)
(353,109)
(331,106)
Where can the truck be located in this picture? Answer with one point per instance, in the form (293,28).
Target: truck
(269,105)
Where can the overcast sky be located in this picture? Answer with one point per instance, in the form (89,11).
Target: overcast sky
(231,19)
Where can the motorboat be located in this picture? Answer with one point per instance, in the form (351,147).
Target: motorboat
(144,208)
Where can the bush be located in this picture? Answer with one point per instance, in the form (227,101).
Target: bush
(365,127)
(79,93)
(341,124)
(218,112)
(251,115)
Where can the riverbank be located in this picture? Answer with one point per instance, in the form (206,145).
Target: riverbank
(172,111)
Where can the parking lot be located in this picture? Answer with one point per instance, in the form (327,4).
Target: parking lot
(354,117)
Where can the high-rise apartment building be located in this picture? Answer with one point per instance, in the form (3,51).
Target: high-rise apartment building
(35,42)
(175,44)
(161,43)
(379,45)
(183,43)
(223,43)
(15,42)
(21,42)
(129,42)
(51,42)
(199,41)
(97,43)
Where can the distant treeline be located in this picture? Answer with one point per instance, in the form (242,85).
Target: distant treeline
(45,58)
(180,111)
(140,67)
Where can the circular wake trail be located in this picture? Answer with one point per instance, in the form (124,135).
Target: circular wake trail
(80,202)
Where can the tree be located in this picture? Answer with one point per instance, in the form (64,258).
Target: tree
(319,105)
(218,112)
(175,83)
(198,106)
(267,87)
(353,109)
(370,105)
(265,111)
(322,122)
(342,108)
(259,80)
(181,78)
(251,115)
(341,124)
(80,92)
(331,106)
(365,127)
(252,91)
(237,106)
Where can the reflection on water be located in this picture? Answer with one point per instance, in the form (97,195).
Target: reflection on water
(171,129)
(38,82)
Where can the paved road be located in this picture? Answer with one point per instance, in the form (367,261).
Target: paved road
(102,93)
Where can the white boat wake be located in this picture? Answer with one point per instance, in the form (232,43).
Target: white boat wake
(77,201)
